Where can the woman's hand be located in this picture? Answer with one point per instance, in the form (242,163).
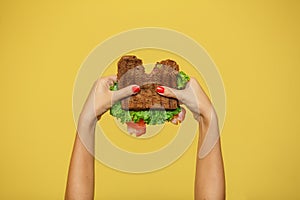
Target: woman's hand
(192,96)
(101,98)
(195,99)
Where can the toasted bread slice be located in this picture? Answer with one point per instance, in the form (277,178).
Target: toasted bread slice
(131,71)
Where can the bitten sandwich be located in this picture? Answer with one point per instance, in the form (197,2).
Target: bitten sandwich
(147,107)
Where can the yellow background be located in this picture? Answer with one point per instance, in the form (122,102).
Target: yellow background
(255,45)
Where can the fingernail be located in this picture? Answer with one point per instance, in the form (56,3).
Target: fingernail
(160,89)
(136,89)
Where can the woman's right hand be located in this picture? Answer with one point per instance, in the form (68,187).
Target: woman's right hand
(101,98)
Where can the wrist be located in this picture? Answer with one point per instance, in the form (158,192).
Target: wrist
(206,111)
(209,116)
(209,133)
(87,120)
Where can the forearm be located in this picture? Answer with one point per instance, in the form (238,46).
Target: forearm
(209,180)
(80,183)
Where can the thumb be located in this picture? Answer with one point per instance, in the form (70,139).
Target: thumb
(124,92)
(169,92)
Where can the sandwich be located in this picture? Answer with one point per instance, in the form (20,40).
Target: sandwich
(148,107)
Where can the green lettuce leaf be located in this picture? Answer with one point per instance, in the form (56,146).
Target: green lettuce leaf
(182,79)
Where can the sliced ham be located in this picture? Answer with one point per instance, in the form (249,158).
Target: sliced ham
(137,129)
(179,117)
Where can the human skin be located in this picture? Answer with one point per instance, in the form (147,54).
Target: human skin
(209,177)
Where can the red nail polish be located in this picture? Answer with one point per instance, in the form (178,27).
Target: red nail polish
(160,89)
(136,89)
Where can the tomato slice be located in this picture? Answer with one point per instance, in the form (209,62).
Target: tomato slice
(141,122)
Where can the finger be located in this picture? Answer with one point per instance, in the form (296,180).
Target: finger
(110,80)
(169,92)
(124,92)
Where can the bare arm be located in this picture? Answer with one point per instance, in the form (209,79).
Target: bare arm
(209,178)
(80,183)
